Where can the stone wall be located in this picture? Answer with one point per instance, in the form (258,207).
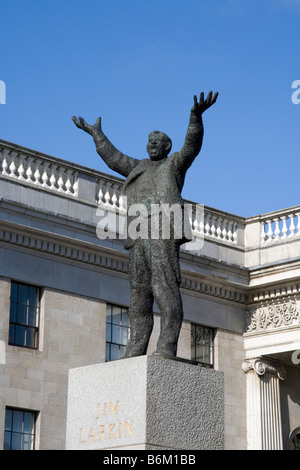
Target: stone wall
(228,356)
(73,335)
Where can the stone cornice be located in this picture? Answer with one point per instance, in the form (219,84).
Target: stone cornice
(64,247)
(273,268)
(207,287)
(280,291)
(46,243)
(97,255)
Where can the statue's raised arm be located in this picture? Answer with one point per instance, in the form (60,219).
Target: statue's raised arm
(194,136)
(115,160)
(94,130)
(199,108)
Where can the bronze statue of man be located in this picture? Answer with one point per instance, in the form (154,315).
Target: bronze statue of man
(154,270)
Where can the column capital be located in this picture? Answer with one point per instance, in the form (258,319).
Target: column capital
(262,366)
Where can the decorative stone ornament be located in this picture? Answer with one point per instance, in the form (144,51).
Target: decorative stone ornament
(273,316)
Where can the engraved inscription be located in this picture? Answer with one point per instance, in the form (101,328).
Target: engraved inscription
(99,431)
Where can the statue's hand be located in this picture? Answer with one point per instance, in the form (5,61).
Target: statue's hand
(203,105)
(94,130)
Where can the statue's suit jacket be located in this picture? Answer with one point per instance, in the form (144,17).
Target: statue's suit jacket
(149,182)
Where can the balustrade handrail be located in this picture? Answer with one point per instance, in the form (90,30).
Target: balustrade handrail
(11,147)
(278,225)
(47,172)
(272,215)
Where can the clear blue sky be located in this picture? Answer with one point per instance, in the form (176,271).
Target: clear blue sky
(137,64)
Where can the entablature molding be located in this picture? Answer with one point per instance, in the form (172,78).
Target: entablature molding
(274,273)
(274,293)
(29,238)
(207,287)
(65,247)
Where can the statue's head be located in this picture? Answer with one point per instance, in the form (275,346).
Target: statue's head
(159,145)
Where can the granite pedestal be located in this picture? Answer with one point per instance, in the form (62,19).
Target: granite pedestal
(145,403)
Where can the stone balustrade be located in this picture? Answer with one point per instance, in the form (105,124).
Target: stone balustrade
(218,226)
(109,193)
(45,172)
(204,221)
(280,225)
(26,166)
(39,170)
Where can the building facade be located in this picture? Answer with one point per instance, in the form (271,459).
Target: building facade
(64,296)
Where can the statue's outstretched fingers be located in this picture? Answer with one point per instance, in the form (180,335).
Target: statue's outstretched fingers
(76,122)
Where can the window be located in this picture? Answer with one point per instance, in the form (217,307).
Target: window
(19,430)
(24,315)
(117,331)
(201,344)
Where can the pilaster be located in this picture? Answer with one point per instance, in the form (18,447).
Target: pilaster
(264,428)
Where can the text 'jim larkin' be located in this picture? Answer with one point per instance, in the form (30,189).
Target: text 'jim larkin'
(106,432)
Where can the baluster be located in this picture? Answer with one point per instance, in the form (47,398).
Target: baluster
(12,166)
(53,177)
(284,226)
(212,226)
(4,162)
(192,217)
(68,182)
(45,177)
(292,225)
(195,223)
(29,171)
(114,198)
(21,169)
(60,181)
(224,229)
(207,225)
(37,174)
(263,232)
(107,193)
(277,229)
(298,225)
(269,233)
(100,192)
(230,231)
(235,232)
(122,202)
(219,230)
(75,184)
(201,223)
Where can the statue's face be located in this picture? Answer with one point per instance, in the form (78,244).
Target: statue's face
(158,146)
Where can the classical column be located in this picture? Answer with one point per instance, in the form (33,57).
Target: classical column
(264,429)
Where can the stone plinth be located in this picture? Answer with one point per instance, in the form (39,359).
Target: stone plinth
(145,403)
